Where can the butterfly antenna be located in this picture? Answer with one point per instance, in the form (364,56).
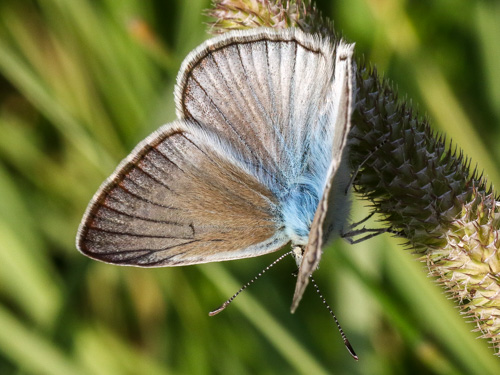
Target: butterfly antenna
(344,337)
(226,304)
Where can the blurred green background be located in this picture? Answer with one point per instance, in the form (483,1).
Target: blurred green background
(81,82)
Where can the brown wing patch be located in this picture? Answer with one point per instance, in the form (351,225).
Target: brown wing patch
(176,201)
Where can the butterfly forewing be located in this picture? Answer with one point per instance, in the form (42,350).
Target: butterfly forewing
(333,199)
(176,200)
(265,92)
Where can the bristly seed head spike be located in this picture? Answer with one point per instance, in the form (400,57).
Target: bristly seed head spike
(225,304)
(454,222)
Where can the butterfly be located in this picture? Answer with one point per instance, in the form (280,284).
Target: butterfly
(256,160)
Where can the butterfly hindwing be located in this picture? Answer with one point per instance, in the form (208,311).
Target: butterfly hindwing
(179,200)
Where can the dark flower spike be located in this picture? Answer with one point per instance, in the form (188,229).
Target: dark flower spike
(420,183)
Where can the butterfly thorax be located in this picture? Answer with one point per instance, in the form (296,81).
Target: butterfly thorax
(301,202)
(300,205)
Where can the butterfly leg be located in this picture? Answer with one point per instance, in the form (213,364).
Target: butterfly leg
(368,233)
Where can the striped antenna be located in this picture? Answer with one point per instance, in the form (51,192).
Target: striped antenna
(225,304)
(344,337)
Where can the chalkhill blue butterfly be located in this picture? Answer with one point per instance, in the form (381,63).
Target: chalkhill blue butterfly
(254,162)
